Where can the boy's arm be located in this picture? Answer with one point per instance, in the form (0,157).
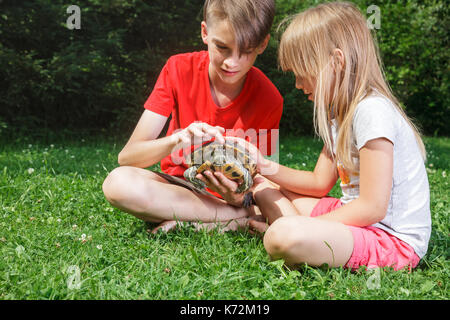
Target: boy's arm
(143,149)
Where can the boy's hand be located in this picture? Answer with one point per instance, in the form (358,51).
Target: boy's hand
(198,131)
(217,182)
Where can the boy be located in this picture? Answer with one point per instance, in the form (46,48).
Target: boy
(206,92)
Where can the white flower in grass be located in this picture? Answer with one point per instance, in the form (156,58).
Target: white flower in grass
(99,247)
(289,155)
(444,174)
(30,170)
(85,238)
(304,164)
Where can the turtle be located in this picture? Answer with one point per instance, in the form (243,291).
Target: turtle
(231,159)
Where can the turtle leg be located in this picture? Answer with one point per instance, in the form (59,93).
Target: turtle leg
(190,174)
(247,183)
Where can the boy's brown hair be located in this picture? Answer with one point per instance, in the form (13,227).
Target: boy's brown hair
(250,20)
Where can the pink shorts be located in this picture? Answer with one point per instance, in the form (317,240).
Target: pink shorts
(372,247)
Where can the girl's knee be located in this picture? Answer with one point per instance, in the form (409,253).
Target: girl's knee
(284,236)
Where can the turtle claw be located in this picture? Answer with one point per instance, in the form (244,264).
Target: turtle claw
(244,187)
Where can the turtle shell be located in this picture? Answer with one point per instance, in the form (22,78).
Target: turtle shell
(229,158)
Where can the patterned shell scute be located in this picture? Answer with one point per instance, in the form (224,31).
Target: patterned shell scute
(231,159)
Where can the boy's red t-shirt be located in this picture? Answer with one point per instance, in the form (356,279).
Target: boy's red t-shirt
(183,91)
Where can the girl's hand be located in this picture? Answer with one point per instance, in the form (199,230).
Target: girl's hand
(252,150)
(198,131)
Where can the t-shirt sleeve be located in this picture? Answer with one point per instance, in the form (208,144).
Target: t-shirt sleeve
(162,98)
(375,117)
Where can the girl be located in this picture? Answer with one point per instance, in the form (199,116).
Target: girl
(383,218)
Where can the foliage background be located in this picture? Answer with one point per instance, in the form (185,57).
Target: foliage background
(98,77)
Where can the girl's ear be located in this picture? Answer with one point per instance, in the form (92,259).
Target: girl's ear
(204,32)
(338,60)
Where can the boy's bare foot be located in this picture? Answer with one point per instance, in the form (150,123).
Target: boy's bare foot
(257,224)
(165,226)
(233,225)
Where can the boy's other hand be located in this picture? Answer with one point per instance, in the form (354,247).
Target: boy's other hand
(217,182)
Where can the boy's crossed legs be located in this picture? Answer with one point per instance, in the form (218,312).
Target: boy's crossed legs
(151,198)
(292,234)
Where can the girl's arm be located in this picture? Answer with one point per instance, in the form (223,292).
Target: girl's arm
(317,183)
(376,170)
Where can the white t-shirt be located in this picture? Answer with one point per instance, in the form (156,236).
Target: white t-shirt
(408,215)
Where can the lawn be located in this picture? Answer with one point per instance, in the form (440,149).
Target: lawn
(60,239)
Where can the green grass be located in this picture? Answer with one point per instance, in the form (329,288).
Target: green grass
(55,222)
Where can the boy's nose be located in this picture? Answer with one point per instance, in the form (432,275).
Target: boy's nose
(231,62)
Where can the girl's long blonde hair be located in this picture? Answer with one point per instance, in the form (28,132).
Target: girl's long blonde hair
(307,48)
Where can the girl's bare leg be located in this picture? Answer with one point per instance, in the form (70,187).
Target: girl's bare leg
(303,204)
(151,198)
(298,240)
(293,235)
(278,202)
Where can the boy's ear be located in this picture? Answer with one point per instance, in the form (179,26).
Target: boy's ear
(204,32)
(263,44)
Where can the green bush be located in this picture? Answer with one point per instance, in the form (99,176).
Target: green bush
(414,44)
(100,76)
